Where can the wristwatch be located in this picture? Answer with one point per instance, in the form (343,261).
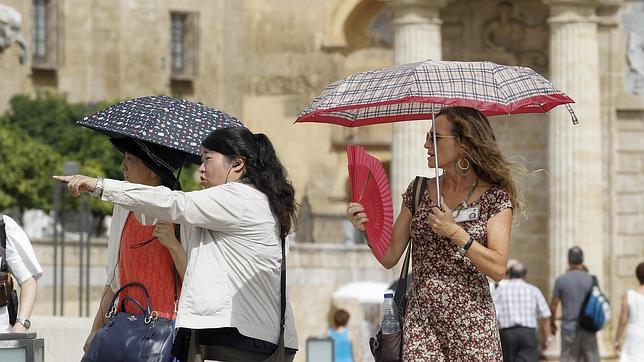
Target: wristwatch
(463,249)
(98,190)
(25,322)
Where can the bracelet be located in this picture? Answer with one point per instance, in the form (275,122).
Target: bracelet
(469,243)
(454,233)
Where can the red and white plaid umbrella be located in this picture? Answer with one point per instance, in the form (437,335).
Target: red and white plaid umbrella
(415,91)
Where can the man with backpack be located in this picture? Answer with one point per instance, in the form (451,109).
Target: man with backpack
(571,289)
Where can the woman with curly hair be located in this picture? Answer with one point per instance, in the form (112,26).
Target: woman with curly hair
(450,315)
(230,300)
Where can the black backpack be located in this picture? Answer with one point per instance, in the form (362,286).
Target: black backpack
(12,307)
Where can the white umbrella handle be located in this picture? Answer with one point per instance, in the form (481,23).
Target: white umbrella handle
(438,186)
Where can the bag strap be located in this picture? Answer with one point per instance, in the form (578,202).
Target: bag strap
(401,288)
(175,273)
(282,296)
(419,187)
(134,301)
(148,307)
(3,245)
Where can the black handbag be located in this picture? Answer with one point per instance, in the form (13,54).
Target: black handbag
(132,337)
(388,348)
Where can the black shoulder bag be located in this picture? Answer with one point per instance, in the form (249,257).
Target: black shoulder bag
(388,348)
(8,295)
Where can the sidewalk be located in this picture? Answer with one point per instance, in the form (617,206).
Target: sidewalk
(64,336)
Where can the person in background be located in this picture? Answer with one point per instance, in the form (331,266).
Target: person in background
(21,262)
(342,342)
(631,320)
(147,254)
(571,290)
(520,309)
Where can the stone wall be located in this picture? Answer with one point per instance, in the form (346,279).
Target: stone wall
(629,199)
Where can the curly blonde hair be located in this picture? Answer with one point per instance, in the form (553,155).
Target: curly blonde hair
(474,133)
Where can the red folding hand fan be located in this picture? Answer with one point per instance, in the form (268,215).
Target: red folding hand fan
(370,188)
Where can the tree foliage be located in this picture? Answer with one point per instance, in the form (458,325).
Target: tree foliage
(46,123)
(26,168)
(38,135)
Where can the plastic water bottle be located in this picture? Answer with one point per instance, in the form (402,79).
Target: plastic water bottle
(388,321)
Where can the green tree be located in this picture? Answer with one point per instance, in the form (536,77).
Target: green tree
(51,120)
(48,120)
(188,178)
(26,168)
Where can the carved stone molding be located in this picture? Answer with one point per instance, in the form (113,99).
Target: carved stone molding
(572,11)
(633,24)
(504,36)
(10,31)
(409,12)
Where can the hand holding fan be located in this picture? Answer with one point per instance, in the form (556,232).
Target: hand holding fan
(370,188)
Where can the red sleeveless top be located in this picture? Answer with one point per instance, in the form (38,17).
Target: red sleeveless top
(151,265)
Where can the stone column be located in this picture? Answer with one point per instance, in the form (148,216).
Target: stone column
(575,151)
(417,38)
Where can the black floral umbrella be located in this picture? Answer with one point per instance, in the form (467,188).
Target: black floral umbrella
(174,123)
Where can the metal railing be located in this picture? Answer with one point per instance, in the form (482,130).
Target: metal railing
(325,228)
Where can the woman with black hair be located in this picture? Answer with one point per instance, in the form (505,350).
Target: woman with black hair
(230,298)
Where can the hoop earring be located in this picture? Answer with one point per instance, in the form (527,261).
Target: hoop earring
(463,170)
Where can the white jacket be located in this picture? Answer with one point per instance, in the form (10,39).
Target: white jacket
(234,255)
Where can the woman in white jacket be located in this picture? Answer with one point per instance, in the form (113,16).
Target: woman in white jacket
(230,299)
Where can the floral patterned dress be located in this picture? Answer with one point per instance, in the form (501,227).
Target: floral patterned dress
(450,315)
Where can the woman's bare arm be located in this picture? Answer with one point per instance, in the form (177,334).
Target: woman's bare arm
(492,259)
(621,325)
(399,237)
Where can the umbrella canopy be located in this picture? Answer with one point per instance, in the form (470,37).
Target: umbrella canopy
(416,91)
(364,292)
(175,123)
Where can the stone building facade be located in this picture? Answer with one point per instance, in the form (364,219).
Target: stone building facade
(265,60)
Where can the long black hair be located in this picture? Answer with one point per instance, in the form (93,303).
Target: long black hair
(263,169)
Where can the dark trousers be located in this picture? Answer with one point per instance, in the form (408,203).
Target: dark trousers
(197,351)
(519,344)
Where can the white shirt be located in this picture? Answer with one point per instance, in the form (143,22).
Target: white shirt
(21,261)
(519,304)
(119,217)
(234,255)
